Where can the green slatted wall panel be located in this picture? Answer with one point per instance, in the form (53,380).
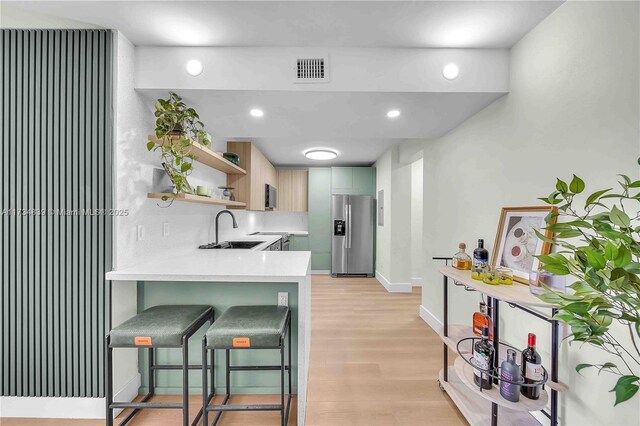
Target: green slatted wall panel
(57,123)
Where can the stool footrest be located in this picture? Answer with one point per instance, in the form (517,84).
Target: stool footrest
(260,407)
(145,405)
(256,367)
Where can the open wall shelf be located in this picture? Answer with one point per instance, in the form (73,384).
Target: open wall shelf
(203,155)
(190,198)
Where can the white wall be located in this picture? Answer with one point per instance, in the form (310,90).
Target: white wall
(417,256)
(393,240)
(573,108)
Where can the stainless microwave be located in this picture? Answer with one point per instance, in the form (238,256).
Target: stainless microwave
(270,197)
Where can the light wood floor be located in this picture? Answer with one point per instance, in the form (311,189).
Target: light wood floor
(373,362)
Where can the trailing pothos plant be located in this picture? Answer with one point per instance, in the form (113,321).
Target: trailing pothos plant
(174,119)
(598,244)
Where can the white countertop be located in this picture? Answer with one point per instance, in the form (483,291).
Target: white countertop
(220,265)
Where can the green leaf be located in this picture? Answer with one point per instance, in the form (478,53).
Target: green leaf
(553,258)
(580,308)
(150,145)
(593,197)
(626,179)
(595,259)
(569,234)
(632,268)
(544,237)
(556,269)
(581,367)
(623,258)
(577,185)
(562,186)
(625,388)
(185,167)
(635,184)
(620,218)
(610,251)
(559,227)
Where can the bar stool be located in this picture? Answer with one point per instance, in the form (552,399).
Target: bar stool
(248,327)
(167,326)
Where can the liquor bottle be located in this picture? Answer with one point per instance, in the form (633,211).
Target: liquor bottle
(483,354)
(461,259)
(480,256)
(482,319)
(531,369)
(510,390)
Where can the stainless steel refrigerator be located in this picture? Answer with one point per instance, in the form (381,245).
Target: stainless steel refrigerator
(352,222)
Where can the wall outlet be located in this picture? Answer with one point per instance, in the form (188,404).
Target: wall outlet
(165,229)
(140,232)
(283,298)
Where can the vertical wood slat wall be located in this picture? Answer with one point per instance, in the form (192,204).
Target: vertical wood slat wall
(56,154)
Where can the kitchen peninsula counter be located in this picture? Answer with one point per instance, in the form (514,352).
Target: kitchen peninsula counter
(226,277)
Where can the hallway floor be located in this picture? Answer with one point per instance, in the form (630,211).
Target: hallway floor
(373,362)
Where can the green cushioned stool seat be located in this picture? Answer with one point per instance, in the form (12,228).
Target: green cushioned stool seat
(248,327)
(163,325)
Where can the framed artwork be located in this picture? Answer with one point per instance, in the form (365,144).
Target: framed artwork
(517,243)
(172,175)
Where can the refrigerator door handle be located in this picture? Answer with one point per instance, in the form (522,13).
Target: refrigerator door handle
(349,226)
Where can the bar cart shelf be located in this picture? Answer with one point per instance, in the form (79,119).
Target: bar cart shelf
(484,407)
(465,373)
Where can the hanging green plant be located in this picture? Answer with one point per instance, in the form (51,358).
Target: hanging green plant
(177,125)
(599,245)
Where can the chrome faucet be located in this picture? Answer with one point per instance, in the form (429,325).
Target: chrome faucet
(235,224)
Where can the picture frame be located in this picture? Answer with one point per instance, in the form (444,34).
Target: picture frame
(171,173)
(516,243)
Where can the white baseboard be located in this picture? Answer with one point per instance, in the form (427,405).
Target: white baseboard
(430,319)
(416,281)
(321,272)
(393,287)
(64,408)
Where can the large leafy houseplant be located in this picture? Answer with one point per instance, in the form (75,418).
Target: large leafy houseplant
(598,244)
(174,119)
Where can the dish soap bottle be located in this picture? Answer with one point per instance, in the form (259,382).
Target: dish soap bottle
(461,259)
(510,390)
(483,360)
(480,256)
(482,319)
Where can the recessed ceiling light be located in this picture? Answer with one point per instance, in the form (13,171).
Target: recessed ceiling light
(194,67)
(450,71)
(393,113)
(256,112)
(320,154)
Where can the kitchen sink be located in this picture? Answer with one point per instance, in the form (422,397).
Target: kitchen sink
(232,245)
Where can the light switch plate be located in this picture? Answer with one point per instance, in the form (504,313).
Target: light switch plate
(140,231)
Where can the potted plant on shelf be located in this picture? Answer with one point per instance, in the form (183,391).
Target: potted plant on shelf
(598,244)
(175,120)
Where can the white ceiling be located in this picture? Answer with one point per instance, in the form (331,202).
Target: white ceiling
(355,124)
(450,24)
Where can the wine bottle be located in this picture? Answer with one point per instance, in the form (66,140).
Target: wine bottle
(483,355)
(510,378)
(531,369)
(480,256)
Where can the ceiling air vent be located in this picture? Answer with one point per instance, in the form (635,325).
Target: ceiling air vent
(311,70)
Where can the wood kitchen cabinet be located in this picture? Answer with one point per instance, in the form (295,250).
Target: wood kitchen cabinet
(250,188)
(292,190)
